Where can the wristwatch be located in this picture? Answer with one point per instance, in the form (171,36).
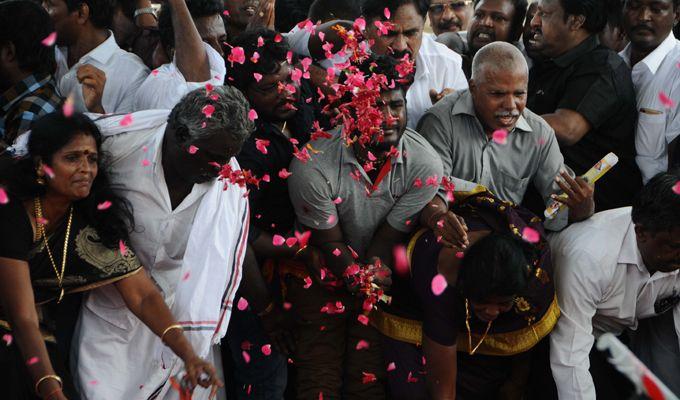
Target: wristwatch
(146,10)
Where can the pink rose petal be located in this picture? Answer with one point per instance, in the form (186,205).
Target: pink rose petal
(387,13)
(400,260)
(246,356)
(363,319)
(32,360)
(261,145)
(308,283)
(278,240)
(122,248)
(242,304)
(676,189)
(145,162)
(48,171)
(257,76)
(362,344)
(126,120)
(208,110)
(284,174)
(438,284)
(337,200)
(49,40)
(252,115)
(500,136)
(530,235)
(4,199)
(290,242)
(337,252)
(267,349)
(7,338)
(193,149)
(104,205)
(67,108)
(391,366)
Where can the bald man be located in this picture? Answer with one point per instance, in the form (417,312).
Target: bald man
(486,136)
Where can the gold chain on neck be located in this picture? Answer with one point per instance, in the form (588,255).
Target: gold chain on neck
(469,332)
(41,232)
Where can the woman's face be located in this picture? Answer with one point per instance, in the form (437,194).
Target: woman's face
(74,167)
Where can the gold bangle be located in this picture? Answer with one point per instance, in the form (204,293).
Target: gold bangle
(46,377)
(169,328)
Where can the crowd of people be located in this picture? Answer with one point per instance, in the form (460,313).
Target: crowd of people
(269,199)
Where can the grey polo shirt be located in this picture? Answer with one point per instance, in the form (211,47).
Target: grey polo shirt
(531,153)
(332,188)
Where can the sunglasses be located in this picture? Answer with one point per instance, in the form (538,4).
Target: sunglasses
(438,9)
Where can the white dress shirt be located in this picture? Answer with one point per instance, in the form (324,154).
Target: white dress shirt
(657,125)
(602,285)
(124,71)
(438,68)
(165,86)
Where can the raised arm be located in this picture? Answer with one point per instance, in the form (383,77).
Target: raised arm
(192,61)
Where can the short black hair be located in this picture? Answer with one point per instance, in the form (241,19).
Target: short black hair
(594,11)
(386,65)
(372,9)
(197,9)
(615,13)
(272,53)
(128,8)
(329,10)
(101,11)
(25,24)
(517,23)
(656,207)
(496,265)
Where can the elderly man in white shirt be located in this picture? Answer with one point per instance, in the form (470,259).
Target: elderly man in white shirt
(190,234)
(653,53)
(98,75)
(192,34)
(612,270)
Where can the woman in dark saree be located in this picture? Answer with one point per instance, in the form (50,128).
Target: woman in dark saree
(64,232)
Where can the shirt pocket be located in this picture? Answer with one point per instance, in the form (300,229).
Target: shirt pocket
(510,187)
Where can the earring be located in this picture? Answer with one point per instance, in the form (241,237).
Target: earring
(40,181)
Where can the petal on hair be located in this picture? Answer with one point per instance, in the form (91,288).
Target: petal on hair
(252,115)
(49,40)
(208,110)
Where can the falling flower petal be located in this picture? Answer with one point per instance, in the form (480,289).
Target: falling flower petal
(500,136)
(257,76)
(284,174)
(145,162)
(122,248)
(49,40)
(362,319)
(208,110)
(4,199)
(362,344)
(32,360)
(676,189)
(337,252)
(530,235)
(337,200)
(246,356)
(368,377)
(387,13)
(308,282)
(360,24)
(261,145)
(225,13)
(104,205)
(460,254)
(400,260)
(252,115)
(303,238)
(410,378)
(7,338)
(438,284)
(665,100)
(67,108)
(48,171)
(126,120)
(237,55)
(290,242)
(242,304)
(267,349)
(193,149)
(278,240)
(278,38)
(391,366)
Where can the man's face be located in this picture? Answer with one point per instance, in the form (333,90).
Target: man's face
(489,309)
(271,102)
(449,15)
(65,21)
(393,107)
(551,28)
(648,22)
(211,29)
(499,97)
(202,166)
(406,36)
(532,47)
(491,22)
(660,250)
(240,11)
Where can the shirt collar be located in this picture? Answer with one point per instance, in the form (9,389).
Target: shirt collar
(28,85)
(655,58)
(572,55)
(102,53)
(464,105)
(629,253)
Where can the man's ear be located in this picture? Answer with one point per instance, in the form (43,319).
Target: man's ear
(642,234)
(83,13)
(576,22)
(8,53)
(472,84)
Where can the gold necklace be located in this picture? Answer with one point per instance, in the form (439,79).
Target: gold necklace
(469,332)
(41,232)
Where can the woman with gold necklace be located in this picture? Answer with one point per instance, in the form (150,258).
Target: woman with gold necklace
(64,232)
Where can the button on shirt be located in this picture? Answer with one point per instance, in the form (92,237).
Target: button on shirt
(602,286)
(593,81)
(330,175)
(164,87)
(531,153)
(124,71)
(657,124)
(438,68)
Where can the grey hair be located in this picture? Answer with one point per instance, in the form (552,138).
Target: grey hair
(498,56)
(230,116)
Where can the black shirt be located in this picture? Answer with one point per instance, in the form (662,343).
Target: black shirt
(270,207)
(595,82)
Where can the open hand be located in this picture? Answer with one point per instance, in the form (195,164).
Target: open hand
(451,228)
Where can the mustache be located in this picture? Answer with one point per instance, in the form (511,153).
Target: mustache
(449,24)
(489,32)
(400,54)
(502,114)
(641,27)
